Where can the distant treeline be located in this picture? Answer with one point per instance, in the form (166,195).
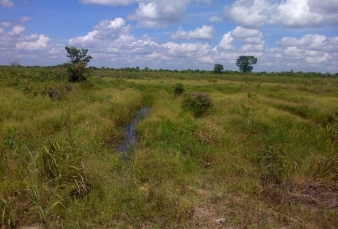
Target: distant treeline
(230,72)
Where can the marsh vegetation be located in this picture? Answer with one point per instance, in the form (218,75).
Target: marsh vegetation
(263,156)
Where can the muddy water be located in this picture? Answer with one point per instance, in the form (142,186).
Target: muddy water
(130,140)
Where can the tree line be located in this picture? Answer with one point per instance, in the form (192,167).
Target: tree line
(77,69)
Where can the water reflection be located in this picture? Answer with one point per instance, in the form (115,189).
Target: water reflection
(130,140)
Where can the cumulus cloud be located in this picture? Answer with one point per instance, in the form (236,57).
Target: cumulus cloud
(17,30)
(206,60)
(311,48)
(105,33)
(311,42)
(159,13)
(34,42)
(111,42)
(152,13)
(16,44)
(246,34)
(290,13)
(226,42)
(249,13)
(251,39)
(204,33)
(6,3)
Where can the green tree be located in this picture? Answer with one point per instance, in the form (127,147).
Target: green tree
(218,68)
(79,60)
(245,63)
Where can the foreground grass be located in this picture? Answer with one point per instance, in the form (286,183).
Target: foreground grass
(264,157)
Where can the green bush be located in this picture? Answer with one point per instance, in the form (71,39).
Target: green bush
(197,102)
(178,89)
(79,59)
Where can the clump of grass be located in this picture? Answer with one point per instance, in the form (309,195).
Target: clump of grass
(324,169)
(197,102)
(272,164)
(252,108)
(332,127)
(60,166)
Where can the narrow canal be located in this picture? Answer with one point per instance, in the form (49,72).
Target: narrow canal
(130,140)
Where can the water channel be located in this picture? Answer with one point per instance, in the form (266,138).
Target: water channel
(130,140)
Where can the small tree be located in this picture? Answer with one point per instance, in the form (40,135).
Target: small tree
(78,61)
(218,68)
(244,63)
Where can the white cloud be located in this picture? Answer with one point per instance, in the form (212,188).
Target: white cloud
(152,13)
(290,13)
(204,33)
(206,60)
(159,13)
(241,32)
(17,30)
(251,39)
(249,13)
(226,42)
(311,42)
(310,51)
(6,3)
(111,42)
(297,13)
(249,48)
(34,42)
(215,19)
(185,47)
(317,59)
(5,24)
(105,33)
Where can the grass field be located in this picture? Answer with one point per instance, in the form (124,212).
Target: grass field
(264,156)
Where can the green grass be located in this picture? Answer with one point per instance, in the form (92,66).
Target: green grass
(264,156)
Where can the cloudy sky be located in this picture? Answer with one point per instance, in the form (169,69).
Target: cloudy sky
(299,35)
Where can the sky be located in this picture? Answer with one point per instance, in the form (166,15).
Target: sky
(284,35)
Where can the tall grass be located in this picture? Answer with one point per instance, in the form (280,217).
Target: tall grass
(265,157)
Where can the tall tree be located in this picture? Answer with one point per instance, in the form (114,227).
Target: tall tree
(79,60)
(245,63)
(218,68)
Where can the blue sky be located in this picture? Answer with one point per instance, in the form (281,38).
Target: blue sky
(298,35)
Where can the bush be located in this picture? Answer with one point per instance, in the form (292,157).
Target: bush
(79,59)
(197,102)
(178,89)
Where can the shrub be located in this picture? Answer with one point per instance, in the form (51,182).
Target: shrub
(77,73)
(79,59)
(178,89)
(197,102)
